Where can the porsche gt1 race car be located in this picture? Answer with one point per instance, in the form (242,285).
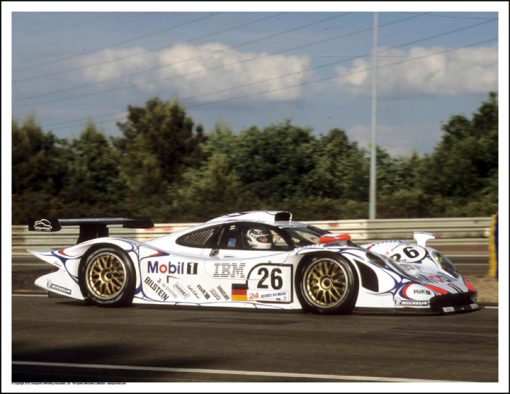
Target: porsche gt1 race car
(259,259)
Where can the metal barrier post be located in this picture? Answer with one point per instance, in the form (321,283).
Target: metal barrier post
(493,247)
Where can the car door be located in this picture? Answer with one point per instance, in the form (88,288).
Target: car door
(248,273)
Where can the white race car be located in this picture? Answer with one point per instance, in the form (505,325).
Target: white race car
(259,259)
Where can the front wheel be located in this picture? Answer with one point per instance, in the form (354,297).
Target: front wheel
(107,277)
(327,284)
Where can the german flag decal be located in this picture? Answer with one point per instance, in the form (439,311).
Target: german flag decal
(239,291)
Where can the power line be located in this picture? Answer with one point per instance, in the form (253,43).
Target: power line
(343,35)
(151,50)
(239,62)
(69,123)
(72,24)
(317,67)
(257,57)
(366,55)
(437,15)
(220,51)
(342,75)
(118,43)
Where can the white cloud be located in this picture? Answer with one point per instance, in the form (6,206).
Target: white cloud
(435,72)
(204,73)
(130,61)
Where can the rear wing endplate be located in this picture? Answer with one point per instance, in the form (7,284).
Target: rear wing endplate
(90,228)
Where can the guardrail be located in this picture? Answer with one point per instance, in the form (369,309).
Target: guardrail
(469,230)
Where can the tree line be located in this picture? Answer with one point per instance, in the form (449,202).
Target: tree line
(165,166)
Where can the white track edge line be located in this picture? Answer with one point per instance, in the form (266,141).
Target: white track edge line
(225,372)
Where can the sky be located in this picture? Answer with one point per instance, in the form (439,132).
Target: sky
(239,64)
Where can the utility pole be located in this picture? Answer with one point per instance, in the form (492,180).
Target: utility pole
(373,141)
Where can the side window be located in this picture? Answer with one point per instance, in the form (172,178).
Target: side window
(204,238)
(231,238)
(262,237)
(279,243)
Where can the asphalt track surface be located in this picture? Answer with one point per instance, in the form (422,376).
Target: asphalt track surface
(60,340)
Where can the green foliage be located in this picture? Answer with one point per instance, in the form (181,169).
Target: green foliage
(38,159)
(39,170)
(463,169)
(272,163)
(405,203)
(93,186)
(159,144)
(398,184)
(209,191)
(164,167)
(313,208)
(340,169)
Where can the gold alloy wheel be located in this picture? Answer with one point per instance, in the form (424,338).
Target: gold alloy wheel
(325,283)
(106,276)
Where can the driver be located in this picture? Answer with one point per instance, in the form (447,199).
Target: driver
(259,238)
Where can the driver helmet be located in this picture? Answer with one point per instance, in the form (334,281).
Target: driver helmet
(259,238)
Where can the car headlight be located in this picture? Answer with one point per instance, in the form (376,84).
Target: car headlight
(444,262)
(385,262)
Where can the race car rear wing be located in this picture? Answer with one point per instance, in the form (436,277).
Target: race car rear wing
(90,228)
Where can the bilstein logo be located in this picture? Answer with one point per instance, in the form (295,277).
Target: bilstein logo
(172,268)
(158,290)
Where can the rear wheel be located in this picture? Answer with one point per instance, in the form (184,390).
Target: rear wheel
(327,284)
(107,277)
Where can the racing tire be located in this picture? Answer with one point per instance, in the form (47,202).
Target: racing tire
(327,284)
(107,277)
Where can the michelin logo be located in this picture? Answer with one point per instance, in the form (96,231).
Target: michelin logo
(60,289)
